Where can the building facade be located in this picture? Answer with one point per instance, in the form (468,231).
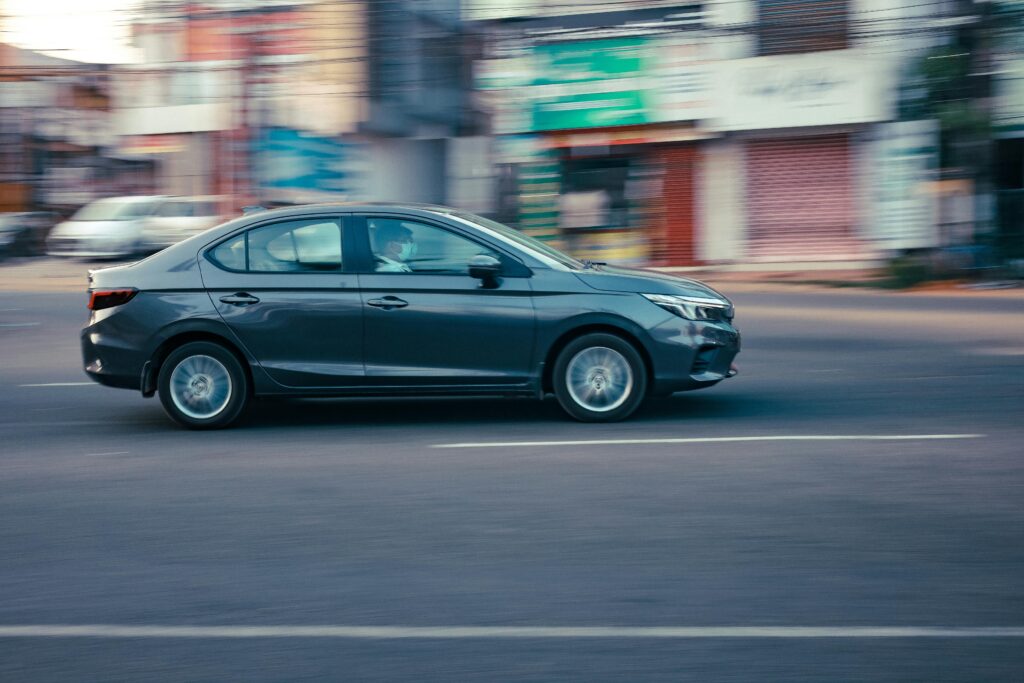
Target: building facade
(57,144)
(709,133)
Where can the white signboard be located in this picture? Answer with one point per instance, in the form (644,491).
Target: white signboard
(27,94)
(1008,109)
(788,91)
(904,158)
(682,75)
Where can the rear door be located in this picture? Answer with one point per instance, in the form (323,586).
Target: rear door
(285,290)
(428,323)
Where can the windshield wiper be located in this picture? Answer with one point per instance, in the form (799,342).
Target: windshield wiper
(589,265)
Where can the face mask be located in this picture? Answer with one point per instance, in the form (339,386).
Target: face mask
(408,251)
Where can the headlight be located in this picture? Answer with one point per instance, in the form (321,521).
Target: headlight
(693,307)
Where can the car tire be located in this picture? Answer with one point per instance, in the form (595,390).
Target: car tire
(202,385)
(599,377)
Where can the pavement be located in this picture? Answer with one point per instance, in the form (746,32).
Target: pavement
(849,508)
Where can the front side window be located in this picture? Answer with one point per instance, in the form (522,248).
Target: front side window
(404,246)
(301,246)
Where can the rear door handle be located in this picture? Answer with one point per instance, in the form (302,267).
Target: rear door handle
(239,299)
(387,303)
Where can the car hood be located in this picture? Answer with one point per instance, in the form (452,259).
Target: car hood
(616,279)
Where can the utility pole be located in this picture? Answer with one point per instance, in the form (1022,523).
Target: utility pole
(980,80)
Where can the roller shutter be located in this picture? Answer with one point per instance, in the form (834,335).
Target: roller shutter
(674,243)
(801,199)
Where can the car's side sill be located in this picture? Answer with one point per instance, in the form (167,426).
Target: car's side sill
(516,390)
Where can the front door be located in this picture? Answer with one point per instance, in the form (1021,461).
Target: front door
(284,291)
(428,323)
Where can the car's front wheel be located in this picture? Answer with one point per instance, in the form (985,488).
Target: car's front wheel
(202,385)
(599,377)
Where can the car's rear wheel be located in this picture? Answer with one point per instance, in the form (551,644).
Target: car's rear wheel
(599,377)
(203,386)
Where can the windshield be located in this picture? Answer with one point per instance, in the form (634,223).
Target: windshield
(113,210)
(522,239)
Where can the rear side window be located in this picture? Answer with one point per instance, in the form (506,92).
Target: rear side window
(303,246)
(230,254)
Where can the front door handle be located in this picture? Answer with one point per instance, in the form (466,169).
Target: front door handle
(239,299)
(387,303)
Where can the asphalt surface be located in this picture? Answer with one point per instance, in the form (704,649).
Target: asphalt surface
(343,513)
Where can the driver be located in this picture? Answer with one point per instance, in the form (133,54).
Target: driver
(395,246)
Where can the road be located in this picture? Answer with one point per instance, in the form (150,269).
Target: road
(356,513)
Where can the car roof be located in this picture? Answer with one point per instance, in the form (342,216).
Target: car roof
(300,209)
(366,206)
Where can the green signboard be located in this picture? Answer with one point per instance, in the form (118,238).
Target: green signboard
(590,84)
(579,84)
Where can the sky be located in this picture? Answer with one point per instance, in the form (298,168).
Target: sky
(86,30)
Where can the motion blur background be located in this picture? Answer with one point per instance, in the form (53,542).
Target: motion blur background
(768,134)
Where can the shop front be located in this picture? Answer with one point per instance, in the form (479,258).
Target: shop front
(800,125)
(603,156)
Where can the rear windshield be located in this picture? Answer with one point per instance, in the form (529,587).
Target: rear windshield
(113,210)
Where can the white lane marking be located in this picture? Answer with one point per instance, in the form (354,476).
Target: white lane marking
(18,324)
(88,455)
(62,384)
(911,379)
(394,632)
(998,351)
(10,310)
(716,439)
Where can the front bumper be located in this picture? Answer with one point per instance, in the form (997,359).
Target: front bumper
(689,355)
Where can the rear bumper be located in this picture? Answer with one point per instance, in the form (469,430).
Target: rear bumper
(108,363)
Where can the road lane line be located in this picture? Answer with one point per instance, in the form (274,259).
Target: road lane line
(505,632)
(18,324)
(715,439)
(62,384)
(88,455)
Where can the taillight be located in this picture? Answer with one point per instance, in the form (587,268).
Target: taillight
(108,298)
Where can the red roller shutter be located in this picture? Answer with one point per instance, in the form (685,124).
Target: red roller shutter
(801,199)
(673,245)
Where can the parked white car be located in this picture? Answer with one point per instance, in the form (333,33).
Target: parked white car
(106,228)
(179,218)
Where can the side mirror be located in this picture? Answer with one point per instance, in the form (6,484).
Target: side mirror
(485,267)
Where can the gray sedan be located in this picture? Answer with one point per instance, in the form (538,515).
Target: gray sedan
(346,300)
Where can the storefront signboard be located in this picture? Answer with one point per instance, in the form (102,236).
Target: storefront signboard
(790,91)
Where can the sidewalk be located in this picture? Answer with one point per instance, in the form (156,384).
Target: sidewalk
(46,275)
(862,280)
(69,275)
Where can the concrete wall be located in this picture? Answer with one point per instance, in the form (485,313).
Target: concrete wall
(188,171)
(721,222)
(471,175)
(405,170)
